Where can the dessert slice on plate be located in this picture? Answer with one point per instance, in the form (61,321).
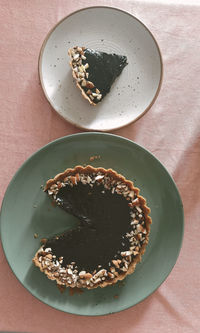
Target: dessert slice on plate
(112,232)
(95,71)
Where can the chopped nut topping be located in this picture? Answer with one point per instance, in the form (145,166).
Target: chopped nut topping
(83,83)
(80,73)
(99,96)
(115,262)
(139,209)
(82,274)
(135,237)
(49,256)
(112,269)
(110,275)
(134,222)
(48,249)
(87,276)
(76,56)
(126,253)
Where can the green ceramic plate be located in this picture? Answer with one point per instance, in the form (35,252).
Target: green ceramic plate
(26,210)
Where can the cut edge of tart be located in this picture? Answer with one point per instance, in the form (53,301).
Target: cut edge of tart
(45,259)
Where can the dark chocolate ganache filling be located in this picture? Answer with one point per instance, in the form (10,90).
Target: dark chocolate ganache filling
(104,219)
(103,69)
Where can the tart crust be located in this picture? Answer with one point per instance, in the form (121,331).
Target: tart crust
(141,202)
(70,53)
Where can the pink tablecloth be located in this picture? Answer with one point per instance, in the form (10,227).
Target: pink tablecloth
(170,130)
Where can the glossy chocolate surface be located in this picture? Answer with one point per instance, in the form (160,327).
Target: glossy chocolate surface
(103,219)
(103,69)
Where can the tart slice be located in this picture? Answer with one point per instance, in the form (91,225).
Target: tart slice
(95,71)
(112,232)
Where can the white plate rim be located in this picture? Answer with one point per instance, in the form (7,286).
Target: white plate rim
(41,76)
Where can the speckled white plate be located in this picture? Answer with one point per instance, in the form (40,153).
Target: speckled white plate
(110,30)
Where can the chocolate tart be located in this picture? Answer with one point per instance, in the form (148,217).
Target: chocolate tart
(111,234)
(95,71)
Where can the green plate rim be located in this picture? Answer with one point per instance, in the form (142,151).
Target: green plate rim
(117,137)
